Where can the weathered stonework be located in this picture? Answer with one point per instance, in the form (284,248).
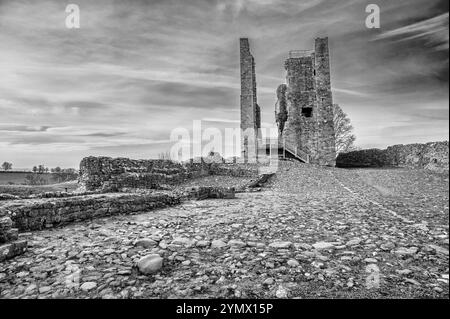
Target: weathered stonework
(431,156)
(113,174)
(38,214)
(10,245)
(116,173)
(110,186)
(304,111)
(200,193)
(250,111)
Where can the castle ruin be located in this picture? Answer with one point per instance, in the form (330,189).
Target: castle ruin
(250,111)
(304,109)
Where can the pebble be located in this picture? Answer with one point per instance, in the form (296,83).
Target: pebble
(218,244)
(370,260)
(293,263)
(403,271)
(269,281)
(44,289)
(403,251)
(373,279)
(146,243)
(150,264)
(281,292)
(353,242)
(202,243)
(322,245)
(280,244)
(88,286)
(236,243)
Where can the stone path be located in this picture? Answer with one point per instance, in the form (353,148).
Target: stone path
(312,232)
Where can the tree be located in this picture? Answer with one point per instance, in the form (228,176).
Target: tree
(6,166)
(57,169)
(35,169)
(343,130)
(64,174)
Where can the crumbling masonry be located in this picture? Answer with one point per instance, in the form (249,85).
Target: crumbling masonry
(250,111)
(304,108)
(304,112)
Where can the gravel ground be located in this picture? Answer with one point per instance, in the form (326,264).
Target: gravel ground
(312,232)
(215,181)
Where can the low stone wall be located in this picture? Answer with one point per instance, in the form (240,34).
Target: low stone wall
(432,156)
(110,186)
(10,246)
(113,174)
(43,213)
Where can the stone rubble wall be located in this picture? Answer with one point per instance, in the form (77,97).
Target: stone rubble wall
(200,193)
(37,214)
(110,186)
(431,156)
(10,245)
(304,108)
(113,174)
(250,111)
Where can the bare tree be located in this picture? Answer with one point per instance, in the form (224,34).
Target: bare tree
(343,130)
(6,166)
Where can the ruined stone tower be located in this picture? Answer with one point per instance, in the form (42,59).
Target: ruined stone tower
(250,112)
(304,110)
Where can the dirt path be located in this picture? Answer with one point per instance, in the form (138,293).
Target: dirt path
(312,232)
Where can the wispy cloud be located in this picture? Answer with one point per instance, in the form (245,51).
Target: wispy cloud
(137,70)
(435,30)
(22,128)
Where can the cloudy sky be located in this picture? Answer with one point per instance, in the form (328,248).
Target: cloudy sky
(135,70)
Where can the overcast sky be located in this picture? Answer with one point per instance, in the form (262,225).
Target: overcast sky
(137,69)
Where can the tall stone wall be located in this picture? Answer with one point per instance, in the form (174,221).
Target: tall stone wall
(326,149)
(306,123)
(250,111)
(431,156)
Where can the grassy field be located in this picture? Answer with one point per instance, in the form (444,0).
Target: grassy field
(6,178)
(26,190)
(14,183)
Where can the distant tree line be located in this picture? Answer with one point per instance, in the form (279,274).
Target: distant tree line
(7,166)
(59,175)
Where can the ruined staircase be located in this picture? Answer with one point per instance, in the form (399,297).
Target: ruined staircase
(297,153)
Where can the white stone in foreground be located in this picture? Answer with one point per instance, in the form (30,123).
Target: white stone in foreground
(150,264)
(281,244)
(323,245)
(88,286)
